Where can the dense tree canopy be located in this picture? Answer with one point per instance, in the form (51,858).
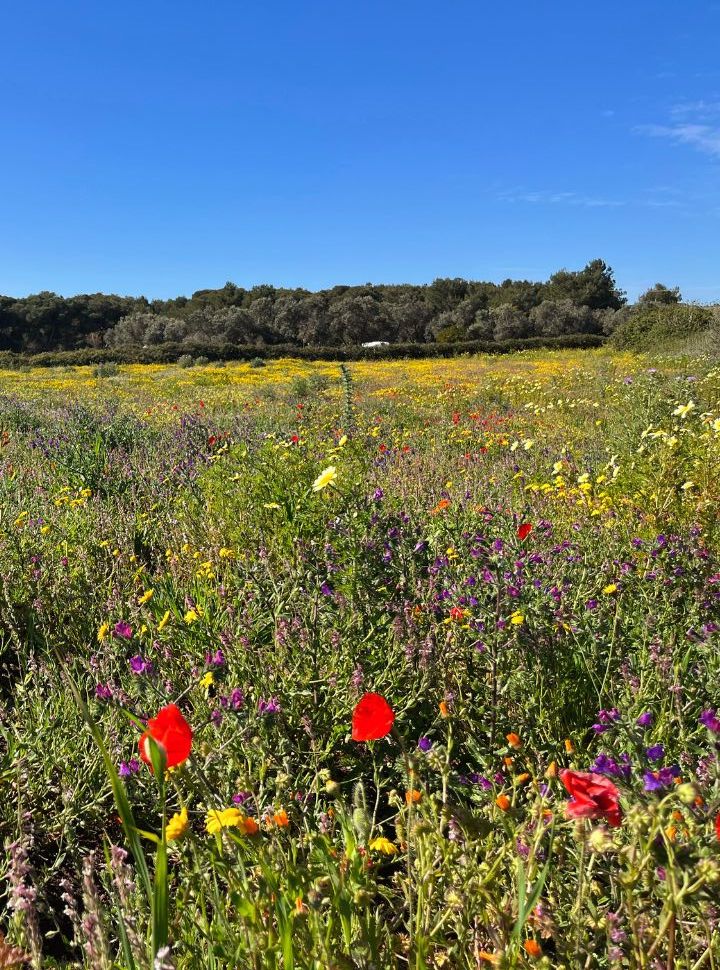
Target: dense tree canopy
(582,301)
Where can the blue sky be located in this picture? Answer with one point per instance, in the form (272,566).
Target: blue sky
(162,147)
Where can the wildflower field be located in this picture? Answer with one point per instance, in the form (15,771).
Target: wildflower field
(411,665)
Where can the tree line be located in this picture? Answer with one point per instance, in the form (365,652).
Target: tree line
(585,301)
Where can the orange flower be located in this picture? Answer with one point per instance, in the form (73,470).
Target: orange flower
(569,746)
(281,819)
(552,770)
(251,826)
(521,779)
(502,802)
(532,948)
(514,740)
(444,709)
(412,796)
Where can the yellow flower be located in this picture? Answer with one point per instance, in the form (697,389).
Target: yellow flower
(517,619)
(213,822)
(610,589)
(165,620)
(146,596)
(192,616)
(682,410)
(103,632)
(383,845)
(207,680)
(325,478)
(216,820)
(177,826)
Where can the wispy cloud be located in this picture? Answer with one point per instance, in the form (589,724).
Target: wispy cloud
(546,197)
(694,123)
(698,110)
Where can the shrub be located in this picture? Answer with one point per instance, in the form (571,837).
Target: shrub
(110,369)
(655,326)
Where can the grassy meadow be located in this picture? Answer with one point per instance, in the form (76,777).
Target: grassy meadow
(519,554)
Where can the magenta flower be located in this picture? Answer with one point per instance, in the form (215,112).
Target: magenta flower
(122,630)
(268,707)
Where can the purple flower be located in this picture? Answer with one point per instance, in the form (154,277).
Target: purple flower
(711,721)
(217,659)
(268,707)
(237,698)
(655,753)
(605,765)
(645,720)
(424,743)
(122,630)
(139,665)
(378,494)
(103,692)
(591,605)
(128,768)
(241,797)
(326,589)
(657,780)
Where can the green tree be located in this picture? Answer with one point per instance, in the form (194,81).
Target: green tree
(594,286)
(661,294)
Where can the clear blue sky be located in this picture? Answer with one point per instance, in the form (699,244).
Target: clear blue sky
(160,147)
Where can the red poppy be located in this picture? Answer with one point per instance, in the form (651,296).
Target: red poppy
(592,796)
(717,825)
(524,530)
(372,718)
(171,732)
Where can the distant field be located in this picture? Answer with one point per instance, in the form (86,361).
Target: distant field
(519,554)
